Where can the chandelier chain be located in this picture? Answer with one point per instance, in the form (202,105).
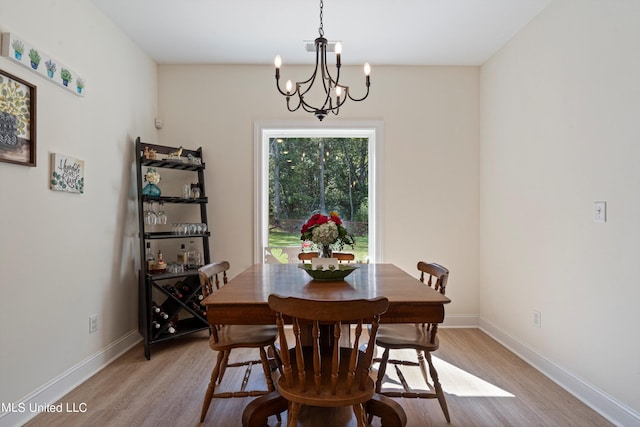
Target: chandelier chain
(321,29)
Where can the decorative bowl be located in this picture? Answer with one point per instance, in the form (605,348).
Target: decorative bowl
(329,275)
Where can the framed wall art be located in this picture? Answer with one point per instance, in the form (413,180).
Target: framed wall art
(17,120)
(67,173)
(37,61)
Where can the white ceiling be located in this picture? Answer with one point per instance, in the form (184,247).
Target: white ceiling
(403,32)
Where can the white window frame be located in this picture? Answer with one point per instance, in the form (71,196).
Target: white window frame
(263,131)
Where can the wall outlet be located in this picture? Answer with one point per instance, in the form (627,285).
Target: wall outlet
(93,323)
(537,319)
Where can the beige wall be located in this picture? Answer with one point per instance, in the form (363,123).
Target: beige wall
(560,106)
(430,163)
(63,256)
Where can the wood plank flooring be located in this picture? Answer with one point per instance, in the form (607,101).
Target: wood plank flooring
(485,384)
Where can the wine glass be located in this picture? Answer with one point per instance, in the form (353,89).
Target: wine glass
(161,215)
(150,217)
(192,229)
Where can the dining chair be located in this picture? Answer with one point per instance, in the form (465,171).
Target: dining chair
(324,374)
(225,338)
(420,337)
(340,256)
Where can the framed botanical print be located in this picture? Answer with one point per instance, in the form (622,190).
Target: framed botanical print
(17,120)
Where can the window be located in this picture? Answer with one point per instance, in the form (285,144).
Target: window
(294,180)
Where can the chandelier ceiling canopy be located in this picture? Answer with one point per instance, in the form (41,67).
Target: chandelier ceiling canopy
(331,94)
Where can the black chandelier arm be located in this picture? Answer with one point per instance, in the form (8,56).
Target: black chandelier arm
(278,87)
(310,81)
(365,95)
(289,105)
(310,108)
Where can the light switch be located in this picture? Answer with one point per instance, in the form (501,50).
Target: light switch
(599,211)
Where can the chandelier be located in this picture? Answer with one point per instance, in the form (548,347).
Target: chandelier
(334,93)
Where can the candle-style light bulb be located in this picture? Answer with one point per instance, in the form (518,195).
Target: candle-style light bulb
(338,91)
(289,86)
(338,50)
(367,69)
(278,61)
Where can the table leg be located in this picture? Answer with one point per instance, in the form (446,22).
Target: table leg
(258,411)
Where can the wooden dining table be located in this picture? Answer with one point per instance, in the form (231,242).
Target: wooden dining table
(244,301)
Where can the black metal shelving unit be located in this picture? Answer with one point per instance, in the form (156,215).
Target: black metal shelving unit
(152,285)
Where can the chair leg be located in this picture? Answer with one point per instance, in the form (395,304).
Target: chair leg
(360,414)
(438,387)
(382,368)
(223,365)
(266,369)
(276,357)
(423,366)
(212,385)
(292,417)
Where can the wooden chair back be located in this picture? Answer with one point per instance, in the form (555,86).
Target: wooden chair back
(340,256)
(436,276)
(321,374)
(210,276)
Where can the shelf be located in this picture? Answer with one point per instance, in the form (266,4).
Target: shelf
(165,276)
(151,286)
(171,235)
(171,164)
(185,327)
(169,199)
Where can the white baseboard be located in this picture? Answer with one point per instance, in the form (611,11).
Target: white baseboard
(55,389)
(611,409)
(460,321)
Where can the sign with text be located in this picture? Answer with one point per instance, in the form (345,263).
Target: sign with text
(67,173)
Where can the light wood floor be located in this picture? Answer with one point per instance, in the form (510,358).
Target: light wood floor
(485,385)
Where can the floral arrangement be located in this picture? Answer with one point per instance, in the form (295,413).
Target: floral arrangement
(326,230)
(152,176)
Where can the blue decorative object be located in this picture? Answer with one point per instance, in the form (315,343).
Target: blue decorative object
(151,190)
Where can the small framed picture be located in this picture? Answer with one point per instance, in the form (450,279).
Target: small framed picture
(67,174)
(17,120)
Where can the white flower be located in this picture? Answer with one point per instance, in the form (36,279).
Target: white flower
(152,176)
(325,234)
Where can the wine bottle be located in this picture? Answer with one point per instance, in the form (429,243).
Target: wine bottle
(182,256)
(155,325)
(187,291)
(172,328)
(169,306)
(160,265)
(198,309)
(150,259)
(173,291)
(194,258)
(155,307)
